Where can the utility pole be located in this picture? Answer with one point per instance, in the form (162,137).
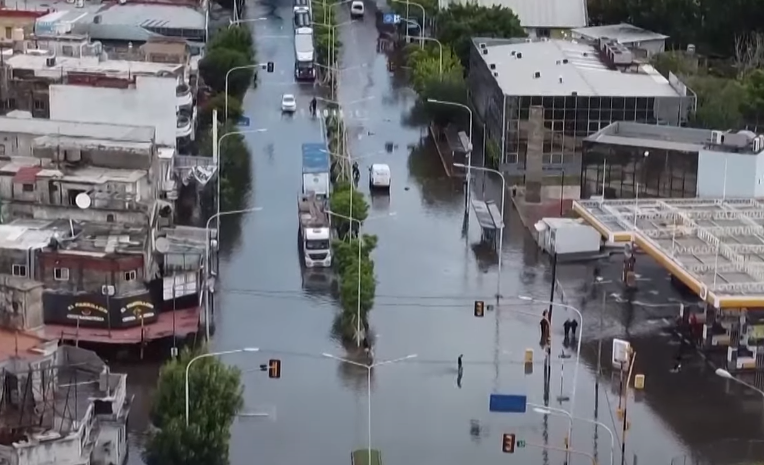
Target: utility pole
(600,282)
(554,257)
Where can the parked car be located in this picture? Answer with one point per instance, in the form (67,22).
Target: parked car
(379,177)
(288,103)
(357,9)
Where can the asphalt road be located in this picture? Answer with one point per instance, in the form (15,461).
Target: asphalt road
(429,273)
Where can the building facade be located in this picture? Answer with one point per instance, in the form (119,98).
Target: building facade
(16,24)
(539,99)
(627,159)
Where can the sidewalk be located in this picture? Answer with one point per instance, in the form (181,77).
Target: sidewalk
(449,147)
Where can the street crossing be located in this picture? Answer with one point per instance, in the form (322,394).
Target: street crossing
(304,113)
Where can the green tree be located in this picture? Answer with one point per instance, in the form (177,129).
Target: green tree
(460,23)
(425,65)
(216,398)
(720,102)
(237,38)
(753,103)
(349,287)
(340,204)
(346,251)
(216,64)
(235,166)
(217,102)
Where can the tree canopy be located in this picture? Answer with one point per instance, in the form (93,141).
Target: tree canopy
(215,66)
(460,23)
(340,204)
(215,399)
(217,102)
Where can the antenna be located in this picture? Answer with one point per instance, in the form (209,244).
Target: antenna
(83,201)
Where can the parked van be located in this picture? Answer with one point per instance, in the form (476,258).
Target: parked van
(379,177)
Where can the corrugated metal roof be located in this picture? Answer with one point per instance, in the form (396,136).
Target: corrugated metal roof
(26,175)
(563,14)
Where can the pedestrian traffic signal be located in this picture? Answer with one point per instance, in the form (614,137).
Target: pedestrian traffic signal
(270,66)
(274,368)
(479,308)
(508,443)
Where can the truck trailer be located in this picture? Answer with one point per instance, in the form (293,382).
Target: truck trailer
(316,168)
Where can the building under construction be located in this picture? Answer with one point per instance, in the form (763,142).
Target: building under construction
(714,247)
(59,404)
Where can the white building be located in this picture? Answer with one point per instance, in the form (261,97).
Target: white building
(540,18)
(631,36)
(151,101)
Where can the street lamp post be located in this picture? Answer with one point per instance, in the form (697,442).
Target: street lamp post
(578,350)
(211,354)
(424,16)
(469,149)
(543,410)
(440,48)
(501,230)
(368,383)
(227,74)
(722,373)
(360,248)
(208,262)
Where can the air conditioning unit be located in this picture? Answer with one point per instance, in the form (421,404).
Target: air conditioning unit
(717,137)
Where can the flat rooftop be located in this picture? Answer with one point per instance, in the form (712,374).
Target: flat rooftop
(629,134)
(112,68)
(567,66)
(714,246)
(90,238)
(96,131)
(550,14)
(624,33)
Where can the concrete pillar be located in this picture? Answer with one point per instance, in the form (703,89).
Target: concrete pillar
(534,161)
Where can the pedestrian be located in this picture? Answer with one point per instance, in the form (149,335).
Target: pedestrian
(566,327)
(459,362)
(573,327)
(544,326)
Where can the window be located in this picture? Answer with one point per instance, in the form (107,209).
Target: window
(2,149)
(11,104)
(19,270)
(110,217)
(130,275)
(9,33)
(61,274)
(67,50)
(39,104)
(27,187)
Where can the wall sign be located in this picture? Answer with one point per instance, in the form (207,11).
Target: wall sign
(96,311)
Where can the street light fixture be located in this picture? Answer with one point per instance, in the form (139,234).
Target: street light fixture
(578,349)
(560,412)
(722,373)
(212,354)
(501,232)
(360,243)
(228,73)
(368,383)
(208,260)
(469,149)
(235,22)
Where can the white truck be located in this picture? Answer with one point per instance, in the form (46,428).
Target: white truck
(315,233)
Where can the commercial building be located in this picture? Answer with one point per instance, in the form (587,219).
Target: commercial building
(714,247)
(14,24)
(59,405)
(640,41)
(542,18)
(671,162)
(54,87)
(539,98)
(127,22)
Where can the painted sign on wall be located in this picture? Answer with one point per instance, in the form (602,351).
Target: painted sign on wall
(96,311)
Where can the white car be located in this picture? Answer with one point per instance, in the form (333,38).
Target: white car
(357,9)
(288,103)
(379,177)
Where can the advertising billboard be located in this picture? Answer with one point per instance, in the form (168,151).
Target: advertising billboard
(98,311)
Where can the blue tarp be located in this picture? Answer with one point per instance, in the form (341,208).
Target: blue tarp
(315,158)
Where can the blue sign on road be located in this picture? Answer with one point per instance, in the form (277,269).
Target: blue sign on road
(390,18)
(508,403)
(243,122)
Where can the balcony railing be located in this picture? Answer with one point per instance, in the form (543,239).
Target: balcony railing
(184,97)
(184,126)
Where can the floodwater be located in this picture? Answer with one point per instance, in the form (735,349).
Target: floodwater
(430,271)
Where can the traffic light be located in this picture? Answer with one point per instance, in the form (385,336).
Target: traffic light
(274,368)
(508,443)
(270,66)
(479,308)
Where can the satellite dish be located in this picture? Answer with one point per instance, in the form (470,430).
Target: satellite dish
(83,201)
(162,245)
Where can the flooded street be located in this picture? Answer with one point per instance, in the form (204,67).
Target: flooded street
(429,274)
